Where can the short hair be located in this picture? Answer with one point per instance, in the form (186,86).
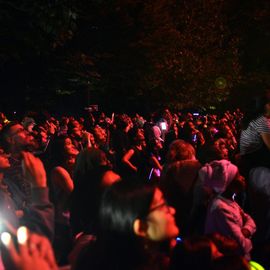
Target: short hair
(180,150)
(4,134)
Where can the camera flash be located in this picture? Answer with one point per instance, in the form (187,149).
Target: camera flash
(22,235)
(5,238)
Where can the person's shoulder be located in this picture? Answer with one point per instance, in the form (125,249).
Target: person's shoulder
(110,177)
(219,203)
(261,120)
(58,170)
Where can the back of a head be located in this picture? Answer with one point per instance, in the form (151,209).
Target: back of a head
(210,152)
(89,160)
(90,166)
(58,150)
(180,150)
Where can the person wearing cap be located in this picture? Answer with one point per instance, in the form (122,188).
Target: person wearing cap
(224,215)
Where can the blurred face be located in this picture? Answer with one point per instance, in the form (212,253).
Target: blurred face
(70,149)
(20,138)
(4,161)
(140,135)
(101,135)
(159,144)
(77,132)
(160,220)
(191,125)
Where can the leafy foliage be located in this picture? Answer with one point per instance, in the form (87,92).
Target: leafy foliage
(132,53)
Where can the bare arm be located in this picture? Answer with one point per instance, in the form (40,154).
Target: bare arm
(126,159)
(155,163)
(39,216)
(62,179)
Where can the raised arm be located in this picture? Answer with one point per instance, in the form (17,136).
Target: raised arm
(39,216)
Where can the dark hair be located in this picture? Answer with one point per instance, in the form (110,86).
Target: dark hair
(117,246)
(255,108)
(87,161)
(122,204)
(90,166)
(209,152)
(180,150)
(58,150)
(4,134)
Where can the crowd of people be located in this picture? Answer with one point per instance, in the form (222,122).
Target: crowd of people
(169,190)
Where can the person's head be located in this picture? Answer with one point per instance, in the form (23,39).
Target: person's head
(14,138)
(154,145)
(75,132)
(221,176)
(135,225)
(137,136)
(180,150)
(131,210)
(216,150)
(28,123)
(88,161)
(92,174)
(122,122)
(100,135)
(4,161)
(63,151)
(41,135)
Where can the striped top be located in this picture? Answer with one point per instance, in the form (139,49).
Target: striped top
(250,139)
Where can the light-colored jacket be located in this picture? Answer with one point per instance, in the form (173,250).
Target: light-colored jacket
(228,218)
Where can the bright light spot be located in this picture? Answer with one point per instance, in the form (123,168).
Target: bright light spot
(221,83)
(5,238)
(22,235)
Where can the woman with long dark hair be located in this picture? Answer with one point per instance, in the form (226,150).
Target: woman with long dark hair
(91,175)
(135,226)
(63,160)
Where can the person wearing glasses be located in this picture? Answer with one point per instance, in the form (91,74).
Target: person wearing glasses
(137,229)
(14,140)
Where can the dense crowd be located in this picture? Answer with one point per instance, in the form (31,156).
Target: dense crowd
(168,190)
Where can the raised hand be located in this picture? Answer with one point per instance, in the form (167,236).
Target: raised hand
(34,170)
(32,252)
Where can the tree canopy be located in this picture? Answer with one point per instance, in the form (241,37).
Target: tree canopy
(132,53)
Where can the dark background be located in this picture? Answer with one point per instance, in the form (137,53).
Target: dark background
(131,55)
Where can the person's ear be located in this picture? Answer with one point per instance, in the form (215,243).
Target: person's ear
(140,227)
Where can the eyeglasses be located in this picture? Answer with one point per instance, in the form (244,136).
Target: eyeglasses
(163,205)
